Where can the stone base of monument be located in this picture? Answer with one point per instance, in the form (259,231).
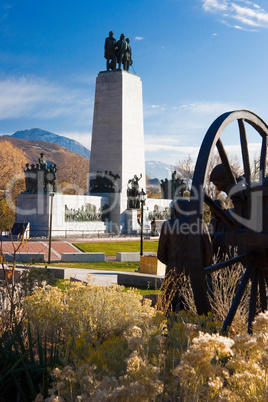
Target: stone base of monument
(151,265)
(132,226)
(68,214)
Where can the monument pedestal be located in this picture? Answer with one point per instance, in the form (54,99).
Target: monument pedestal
(118,136)
(68,214)
(131,218)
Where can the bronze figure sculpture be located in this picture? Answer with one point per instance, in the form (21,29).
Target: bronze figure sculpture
(104,182)
(133,190)
(121,45)
(40,178)
(110,51)
(173,243)
(117,52)
(127,56)
(174,188)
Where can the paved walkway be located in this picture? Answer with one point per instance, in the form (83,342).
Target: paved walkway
(57,247)
(95,276)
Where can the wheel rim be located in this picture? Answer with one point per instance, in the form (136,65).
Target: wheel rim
(212,140)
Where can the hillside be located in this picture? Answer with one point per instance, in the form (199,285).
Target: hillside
(154,169)
(42,135)
(15,153)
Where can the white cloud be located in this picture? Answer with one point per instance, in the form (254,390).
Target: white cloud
(161,151)
(139,37)
(178,131)
(84,137)
(191,114)
(248,14)
(214,5)
(33,97)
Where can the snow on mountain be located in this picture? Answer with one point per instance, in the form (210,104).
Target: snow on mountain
(159,170)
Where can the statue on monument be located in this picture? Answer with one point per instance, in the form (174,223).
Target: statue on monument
(122,48)
(40,177)
(128,56)
(171,189)
(133,192)
(104,182)
(42,162)
(110,51)
(117,52)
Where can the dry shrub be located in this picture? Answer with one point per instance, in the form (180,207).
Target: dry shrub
(100,312)
(225,283)
(168,290)
(218,368)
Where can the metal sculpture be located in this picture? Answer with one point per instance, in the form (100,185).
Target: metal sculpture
(40,178)
(133,189)
(117,52)
(248,221)
(174,188)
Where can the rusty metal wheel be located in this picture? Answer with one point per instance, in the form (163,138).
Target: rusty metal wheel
(254,247)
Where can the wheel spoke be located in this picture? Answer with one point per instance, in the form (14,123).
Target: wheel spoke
(223,264)
(240,291)
(225,161)
(244,148)
(253,299)
(263,159)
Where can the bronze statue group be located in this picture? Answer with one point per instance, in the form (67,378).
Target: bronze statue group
(40,177)
(176,234)
(117,52)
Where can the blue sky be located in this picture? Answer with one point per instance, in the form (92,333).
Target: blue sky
(196,58)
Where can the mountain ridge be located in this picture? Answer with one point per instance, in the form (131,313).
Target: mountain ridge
(154,169)
(43,135)
(72,174)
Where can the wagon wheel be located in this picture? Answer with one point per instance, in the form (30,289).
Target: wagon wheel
(253,272)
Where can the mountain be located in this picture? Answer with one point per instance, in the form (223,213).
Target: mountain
(159,170)
(42,135)
(154,169)
(72,174)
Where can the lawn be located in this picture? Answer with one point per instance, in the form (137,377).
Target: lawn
(111,248)
(102,266)
(65,284)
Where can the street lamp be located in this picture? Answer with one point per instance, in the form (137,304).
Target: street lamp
(142,198)
(51,195)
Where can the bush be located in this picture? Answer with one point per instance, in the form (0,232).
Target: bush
(114,348)
(94,312)
(220,368)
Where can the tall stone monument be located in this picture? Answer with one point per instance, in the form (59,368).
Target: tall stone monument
(117,146)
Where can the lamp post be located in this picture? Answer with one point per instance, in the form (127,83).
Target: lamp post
(142,198)
(51,195)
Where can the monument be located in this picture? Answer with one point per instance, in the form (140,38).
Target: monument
(117,134)
(174,188)
(45,209)
(117,163)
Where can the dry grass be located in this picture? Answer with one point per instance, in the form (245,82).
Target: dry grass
(168,290)
(224,283)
